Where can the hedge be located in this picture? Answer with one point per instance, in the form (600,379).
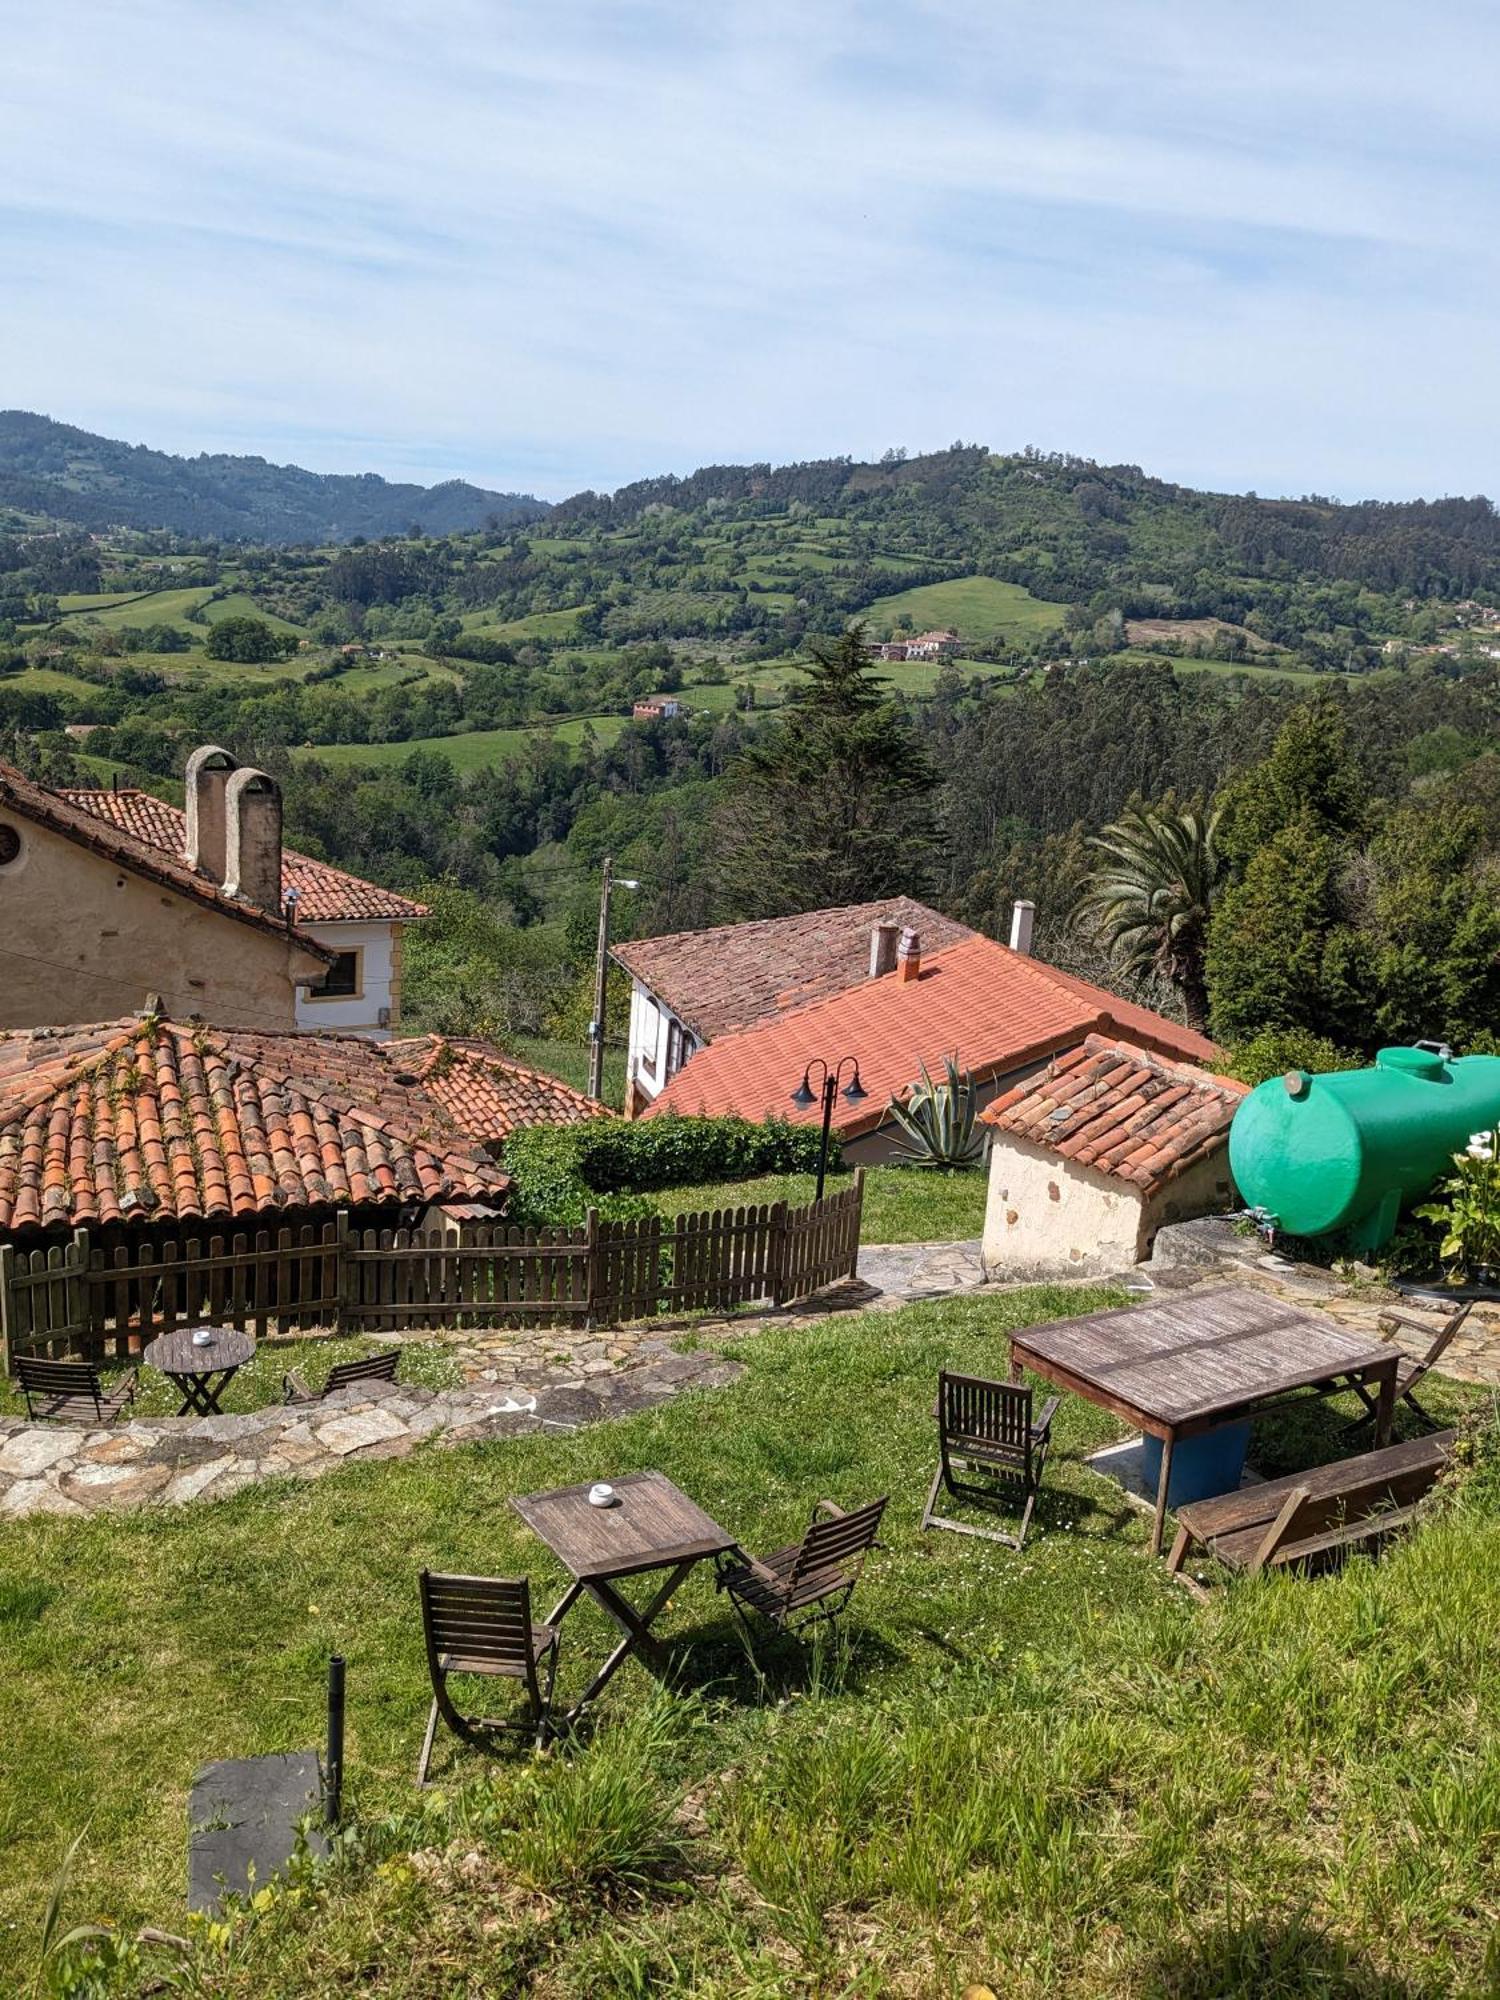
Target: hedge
(559,1172)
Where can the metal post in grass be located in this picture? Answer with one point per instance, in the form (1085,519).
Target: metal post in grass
(333,1769)
(804,1096)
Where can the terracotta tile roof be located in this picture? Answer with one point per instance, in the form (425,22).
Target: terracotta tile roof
(324,894)
(484,1092)
(1120,1111)
(152,1121)
(728,977)
(55,811)
(995,1009)
(1136,1023)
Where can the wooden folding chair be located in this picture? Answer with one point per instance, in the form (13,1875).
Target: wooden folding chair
(1410,1372)
(990,1452)
(71,1391)
(373,1368)
(810,1581)
(482,1625)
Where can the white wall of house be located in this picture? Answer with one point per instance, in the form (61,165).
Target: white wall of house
(374,1008)
(1047,1217)
(659,1042)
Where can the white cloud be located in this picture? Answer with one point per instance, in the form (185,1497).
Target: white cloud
(566,245)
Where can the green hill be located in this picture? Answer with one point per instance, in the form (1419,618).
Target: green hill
(67,474)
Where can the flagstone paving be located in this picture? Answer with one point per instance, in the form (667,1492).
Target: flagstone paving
(519,1380)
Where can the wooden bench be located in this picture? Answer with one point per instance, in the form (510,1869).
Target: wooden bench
(1314,1513)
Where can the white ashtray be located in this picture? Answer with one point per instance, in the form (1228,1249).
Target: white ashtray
(203,1337)
(602,1495)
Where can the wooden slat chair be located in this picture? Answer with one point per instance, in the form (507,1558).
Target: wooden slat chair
(812,1580)
(1410,1372)
(71,1391)
(990,1451)
(482,1625)
(1314,1514)
(373,1368)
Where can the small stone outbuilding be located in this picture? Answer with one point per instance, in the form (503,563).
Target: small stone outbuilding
(1090,1156)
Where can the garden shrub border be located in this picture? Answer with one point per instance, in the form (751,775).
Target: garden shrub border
(559,1172)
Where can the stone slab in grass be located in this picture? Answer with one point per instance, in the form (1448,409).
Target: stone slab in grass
(243,1816)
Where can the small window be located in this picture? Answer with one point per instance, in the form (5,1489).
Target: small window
(680,1045)
(342,981)
(10,845)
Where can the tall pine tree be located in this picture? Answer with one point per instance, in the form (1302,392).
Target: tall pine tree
(835,802)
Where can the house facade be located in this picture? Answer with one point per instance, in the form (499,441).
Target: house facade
(95,921)
(358,923)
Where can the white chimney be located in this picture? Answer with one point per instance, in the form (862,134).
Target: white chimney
(1022,924)
(252,839)
(909,956)
(208,772)
(883,948)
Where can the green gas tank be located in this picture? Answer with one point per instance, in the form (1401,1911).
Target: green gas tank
(1350,1150)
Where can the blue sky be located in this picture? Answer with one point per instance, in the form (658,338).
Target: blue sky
(573,242)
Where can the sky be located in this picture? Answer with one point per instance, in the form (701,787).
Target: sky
(574,242)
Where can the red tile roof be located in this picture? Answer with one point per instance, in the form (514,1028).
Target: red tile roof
(151,1121)
(324,894)
(56,811)
(1120,1111)
(995,1009)
(732,975)
(486,1094)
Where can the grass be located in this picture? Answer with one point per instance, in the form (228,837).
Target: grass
(902,1204)
(977,607)
(1051,1772)
(258,1384)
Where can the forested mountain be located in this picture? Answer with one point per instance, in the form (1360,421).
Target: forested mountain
(96,482)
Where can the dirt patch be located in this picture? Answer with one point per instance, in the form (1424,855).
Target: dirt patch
(1151,631)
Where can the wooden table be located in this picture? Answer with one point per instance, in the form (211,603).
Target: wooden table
(1182,1366)
(193,1368)
(652,1526)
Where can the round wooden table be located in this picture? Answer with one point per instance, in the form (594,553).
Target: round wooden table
(193,1367)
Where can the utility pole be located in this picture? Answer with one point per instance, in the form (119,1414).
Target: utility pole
(601,972)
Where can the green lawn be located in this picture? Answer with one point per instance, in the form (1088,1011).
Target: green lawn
(570,1061)
(902,1204)
(977,607)
(1051,1772)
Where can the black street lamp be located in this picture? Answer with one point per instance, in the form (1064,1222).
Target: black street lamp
(804,1095)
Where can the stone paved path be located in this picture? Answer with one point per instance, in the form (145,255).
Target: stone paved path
(519,1381)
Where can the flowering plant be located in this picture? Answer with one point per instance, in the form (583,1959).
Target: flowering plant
(1470,1214)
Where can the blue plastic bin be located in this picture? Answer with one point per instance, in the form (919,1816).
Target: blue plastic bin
(1201,1466)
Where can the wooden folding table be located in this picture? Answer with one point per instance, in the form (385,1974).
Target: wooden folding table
(653,1525)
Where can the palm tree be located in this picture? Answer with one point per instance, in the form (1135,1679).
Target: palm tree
(1150,895)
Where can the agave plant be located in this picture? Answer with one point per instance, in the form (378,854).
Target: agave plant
(937,1120)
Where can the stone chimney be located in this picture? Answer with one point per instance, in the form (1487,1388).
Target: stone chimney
(909,956)
(208,773)
(1022,924)
(883,948)
(252,839)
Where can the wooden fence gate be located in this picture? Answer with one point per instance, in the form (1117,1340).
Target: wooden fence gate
(76,1298)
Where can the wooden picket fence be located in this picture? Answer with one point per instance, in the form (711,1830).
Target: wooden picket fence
(79,1298)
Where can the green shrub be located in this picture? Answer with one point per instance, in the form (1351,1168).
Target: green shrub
(1276,1050)
(559,1172)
